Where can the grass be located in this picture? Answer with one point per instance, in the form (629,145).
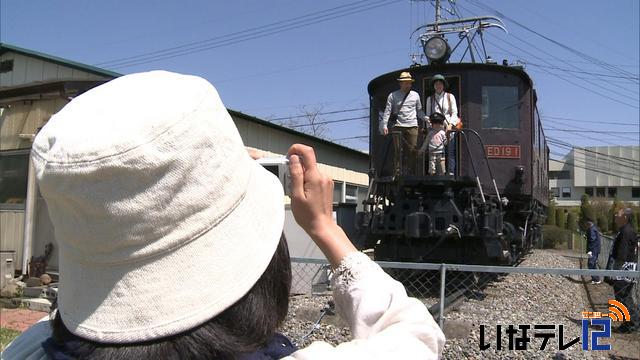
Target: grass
(6,336)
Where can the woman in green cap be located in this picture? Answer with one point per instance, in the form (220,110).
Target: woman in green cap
(444,103)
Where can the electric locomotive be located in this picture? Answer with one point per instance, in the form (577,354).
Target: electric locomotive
(490,211)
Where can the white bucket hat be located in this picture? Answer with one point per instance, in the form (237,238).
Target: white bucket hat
(162,219)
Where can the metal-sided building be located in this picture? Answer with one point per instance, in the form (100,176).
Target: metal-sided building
(34,86)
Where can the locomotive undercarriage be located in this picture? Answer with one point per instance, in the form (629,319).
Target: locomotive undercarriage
(442,219)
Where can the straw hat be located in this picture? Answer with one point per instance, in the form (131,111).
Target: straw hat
(405,76)
(162,219)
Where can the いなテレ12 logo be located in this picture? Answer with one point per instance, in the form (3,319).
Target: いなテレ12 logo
(617,312)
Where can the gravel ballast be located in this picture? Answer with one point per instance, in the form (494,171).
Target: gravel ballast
(518,299)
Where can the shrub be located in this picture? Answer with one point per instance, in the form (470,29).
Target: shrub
(586,210)
(603,224)
(561,218)
(554,237)
(572,221)
(601,213)
(551,213)
(615,206)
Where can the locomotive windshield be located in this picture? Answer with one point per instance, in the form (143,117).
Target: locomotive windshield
(500,107)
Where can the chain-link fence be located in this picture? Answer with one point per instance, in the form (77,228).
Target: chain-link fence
(606,243)
(476,293)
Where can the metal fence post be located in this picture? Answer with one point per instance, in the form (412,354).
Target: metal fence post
(443,277)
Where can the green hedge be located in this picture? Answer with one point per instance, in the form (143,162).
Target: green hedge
(561,218)
(554,236)
(572,221)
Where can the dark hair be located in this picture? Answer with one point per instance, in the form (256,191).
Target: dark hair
(242,328)
(437,118)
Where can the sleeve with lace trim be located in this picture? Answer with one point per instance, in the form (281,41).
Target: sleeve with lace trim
(384,321)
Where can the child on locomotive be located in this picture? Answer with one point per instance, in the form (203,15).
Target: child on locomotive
(437,139)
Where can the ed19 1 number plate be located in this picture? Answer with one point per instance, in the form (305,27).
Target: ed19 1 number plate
(503,151)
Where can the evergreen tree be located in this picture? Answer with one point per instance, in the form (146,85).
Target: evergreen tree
(615,206)
(586,210)
(603,223)
(572,221)
(551,213)
(561,218)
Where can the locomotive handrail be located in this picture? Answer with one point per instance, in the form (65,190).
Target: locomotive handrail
(473,166)
(493,179)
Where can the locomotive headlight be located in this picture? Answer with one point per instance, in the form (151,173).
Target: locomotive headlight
(436,49)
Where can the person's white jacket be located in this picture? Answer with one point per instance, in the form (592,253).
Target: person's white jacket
(384,321)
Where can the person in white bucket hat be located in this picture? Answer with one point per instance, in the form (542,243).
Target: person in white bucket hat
(170,238)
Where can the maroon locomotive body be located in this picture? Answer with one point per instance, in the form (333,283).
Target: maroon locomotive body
(491,210)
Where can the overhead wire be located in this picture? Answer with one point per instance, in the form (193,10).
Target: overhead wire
(634,98)
(612,158)
(594,170)
(319,113)
(206,41)
(578,53)
(248,34)
(581,133)
(562,77)
(330,121)
(544,117)
(600,168)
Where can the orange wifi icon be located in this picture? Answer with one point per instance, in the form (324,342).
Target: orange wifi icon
(617,311)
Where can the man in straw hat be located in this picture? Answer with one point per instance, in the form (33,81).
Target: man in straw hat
(401,114)
(444,103)
(171,238)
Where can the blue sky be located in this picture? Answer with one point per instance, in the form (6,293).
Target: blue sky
(327,65)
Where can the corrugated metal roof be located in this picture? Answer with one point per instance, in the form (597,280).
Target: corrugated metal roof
(4,47)
(294,132)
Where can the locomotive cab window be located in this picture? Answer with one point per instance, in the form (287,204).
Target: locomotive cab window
(500,107)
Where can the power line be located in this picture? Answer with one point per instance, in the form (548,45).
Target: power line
(562,77)
(635,78)
(595,165)
(320,113)
(586,121)
(330,122)
(352,137)
(248,34)
(614,159)
(581,132)
(583,164)
(188,46)
(594,170)
(593,131)
(580,54)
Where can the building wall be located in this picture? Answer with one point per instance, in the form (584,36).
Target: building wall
(348,168)
(11,233)
(28,69)
(616,177)
(25,117)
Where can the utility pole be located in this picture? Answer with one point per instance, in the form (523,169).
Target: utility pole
(437,14)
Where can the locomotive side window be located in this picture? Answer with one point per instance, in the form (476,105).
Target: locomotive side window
(500,107)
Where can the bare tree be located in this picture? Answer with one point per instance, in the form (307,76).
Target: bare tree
(309,121)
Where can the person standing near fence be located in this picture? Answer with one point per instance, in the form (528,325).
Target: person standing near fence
(593,248)
(624,252)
